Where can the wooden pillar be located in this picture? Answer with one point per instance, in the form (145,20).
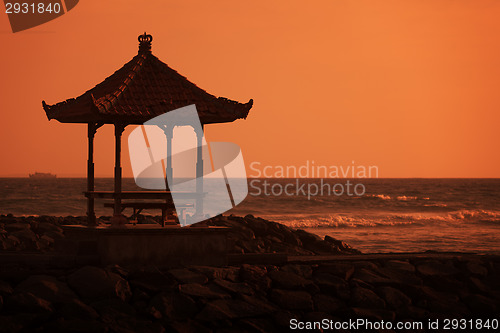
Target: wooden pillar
(169,133)
(199,172)
(168,218)
(91,130)
(118,169)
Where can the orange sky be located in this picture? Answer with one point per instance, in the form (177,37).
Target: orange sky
(412,87)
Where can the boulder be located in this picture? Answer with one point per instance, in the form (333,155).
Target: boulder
(373,314)
(172,307)
(47,287)
(226,273)
(76,309)
(255,276)
(394,298)
(152,281)
(292,300)
(476,269)
(198,290)
(288,280)
(5,289)
(327,304)
(305,271)
(436,268)
(332,285)
(340,269)
(184,275)
(370,277)
(29,303)
(95,283)
(262,303)
(365,298)
(402,265)
(227,309)
(16,226)
(481,305)
(234,288)
(74,325)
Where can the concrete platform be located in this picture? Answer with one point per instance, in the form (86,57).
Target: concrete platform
(144,244)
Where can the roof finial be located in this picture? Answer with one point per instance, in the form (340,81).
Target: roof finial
(145,43)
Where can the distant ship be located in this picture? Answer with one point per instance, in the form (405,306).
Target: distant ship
(42,175)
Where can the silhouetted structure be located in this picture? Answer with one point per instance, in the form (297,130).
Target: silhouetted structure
(142,89)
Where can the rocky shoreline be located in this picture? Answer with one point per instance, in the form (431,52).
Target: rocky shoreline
(338,286)
(247,234)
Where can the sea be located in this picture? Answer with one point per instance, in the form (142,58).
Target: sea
(372,215)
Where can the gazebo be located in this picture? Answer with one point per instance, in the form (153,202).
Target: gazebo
(142,89)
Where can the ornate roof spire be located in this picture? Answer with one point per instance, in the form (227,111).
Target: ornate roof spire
(145,43)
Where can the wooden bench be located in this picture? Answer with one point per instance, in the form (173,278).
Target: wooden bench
(139,206)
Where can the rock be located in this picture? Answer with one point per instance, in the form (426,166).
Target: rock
(47,287)
(292,300)
(436,268)
(95,283)
(235,288)
(25,235)
(399,277)
(226,273)
(76,309)
(260,325)
(45,227)
(340,269)
(258,225)
(332,285)
(370,277)
(338,243)
(27,302)
(475,268)
(228,309)
(45,241)
(400,265)
(481,305)
(152,281)
(187,326)
(288,280)
(373,314)
(5,289)
(198,290)
(317,317)
(283,318)
(172,307)
(413,312)
(365,298)
(17,226)
(7,244)
(184,275)
(369,265)
(75,326)
(303,270)
(255,276)
(54,234)
(328,304)
(10,324)
(394,298)
(307,238)
(113,308)
(262,303)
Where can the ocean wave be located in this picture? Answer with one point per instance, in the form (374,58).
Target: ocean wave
(388,219)
(398,198)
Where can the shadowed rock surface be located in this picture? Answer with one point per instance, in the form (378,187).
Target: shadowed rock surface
(245,297)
